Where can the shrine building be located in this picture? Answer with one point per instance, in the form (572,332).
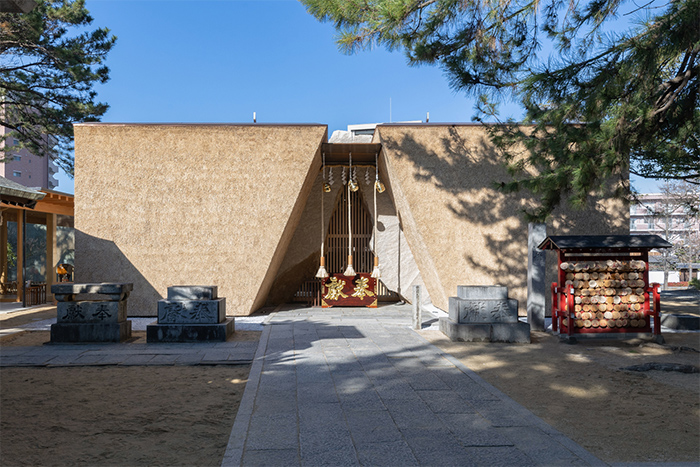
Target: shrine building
(249,208)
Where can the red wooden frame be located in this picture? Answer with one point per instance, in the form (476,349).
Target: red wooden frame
(563,295)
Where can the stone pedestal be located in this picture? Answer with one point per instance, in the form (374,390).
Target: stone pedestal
(91,320)
(484,314)
(191,314)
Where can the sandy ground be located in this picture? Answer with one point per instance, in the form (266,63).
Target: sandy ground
(118,415)
(121,416)
(581,390)
(183,415)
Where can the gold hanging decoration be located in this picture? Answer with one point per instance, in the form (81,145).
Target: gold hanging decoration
(377,184)
(349,271)
(322,273)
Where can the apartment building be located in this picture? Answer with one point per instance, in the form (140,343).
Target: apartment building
(658,214)
(27,169)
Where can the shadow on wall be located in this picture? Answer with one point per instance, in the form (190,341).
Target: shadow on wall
(100,260)
(467,171)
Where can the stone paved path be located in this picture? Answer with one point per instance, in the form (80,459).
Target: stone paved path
(359,387)
(125,354)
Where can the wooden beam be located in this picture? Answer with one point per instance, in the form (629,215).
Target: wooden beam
(20,255)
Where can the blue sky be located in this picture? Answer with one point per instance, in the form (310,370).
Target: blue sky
(221,60)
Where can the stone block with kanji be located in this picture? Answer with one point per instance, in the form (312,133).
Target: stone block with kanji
(191,311)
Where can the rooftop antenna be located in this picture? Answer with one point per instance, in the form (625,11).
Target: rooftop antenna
(255,119)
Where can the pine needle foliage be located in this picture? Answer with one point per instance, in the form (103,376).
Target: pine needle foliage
(49,63)
(601,100)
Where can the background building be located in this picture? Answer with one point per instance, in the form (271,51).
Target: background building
(27,169)
(670,217)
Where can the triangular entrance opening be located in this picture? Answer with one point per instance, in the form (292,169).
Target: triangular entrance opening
(338,233)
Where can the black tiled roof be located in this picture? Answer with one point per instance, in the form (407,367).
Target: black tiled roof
(608,242)
(18,195)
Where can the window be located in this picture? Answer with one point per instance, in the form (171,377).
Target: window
(17,158)
(16,173)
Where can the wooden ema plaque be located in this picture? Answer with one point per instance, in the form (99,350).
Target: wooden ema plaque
(340,290)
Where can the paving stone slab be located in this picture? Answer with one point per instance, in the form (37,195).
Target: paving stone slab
(372,426)
(276,431)
(138,360)
(396,453)
(270,457)
(331,448)
(503,455)
(365,400)
(445,401)
(472,429)
(318,441)
(435,447)
(500,414)
(535,444)
(415,416)
(317,393)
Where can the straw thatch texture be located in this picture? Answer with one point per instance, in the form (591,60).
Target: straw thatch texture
(461,230)
(161,205)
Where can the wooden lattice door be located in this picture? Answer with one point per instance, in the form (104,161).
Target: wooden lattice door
(337,238)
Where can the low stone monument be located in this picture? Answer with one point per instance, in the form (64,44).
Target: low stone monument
(191,313)
(484,314)
(91,320)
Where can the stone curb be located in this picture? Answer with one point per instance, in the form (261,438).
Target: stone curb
(239,432)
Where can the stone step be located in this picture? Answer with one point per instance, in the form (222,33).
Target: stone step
(190,332)
(495,332)
(90,332)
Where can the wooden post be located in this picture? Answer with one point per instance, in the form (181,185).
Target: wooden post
(3,247)
(20,254)
(417,308)
(51,256)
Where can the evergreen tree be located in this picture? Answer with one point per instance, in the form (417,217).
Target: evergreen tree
(601,105)
(49,65)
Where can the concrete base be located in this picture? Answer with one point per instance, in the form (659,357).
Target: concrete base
(681,322)
(90,332)
(190,332)
(497,332)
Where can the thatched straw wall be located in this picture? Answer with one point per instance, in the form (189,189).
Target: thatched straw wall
(461,230)
(161,205)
